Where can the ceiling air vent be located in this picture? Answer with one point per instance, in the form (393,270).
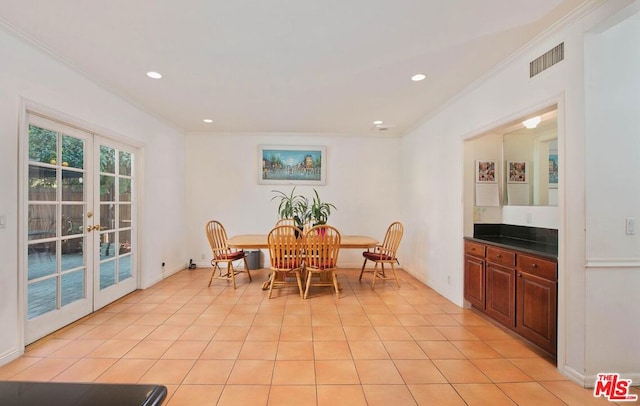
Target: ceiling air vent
(547,60)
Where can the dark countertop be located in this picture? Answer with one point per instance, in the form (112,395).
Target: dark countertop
(526,246)
(16,393)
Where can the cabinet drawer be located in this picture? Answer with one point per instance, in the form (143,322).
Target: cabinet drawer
(538,267)
(501,257)
(475,249)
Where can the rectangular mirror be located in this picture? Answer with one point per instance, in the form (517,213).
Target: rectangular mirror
(530,153)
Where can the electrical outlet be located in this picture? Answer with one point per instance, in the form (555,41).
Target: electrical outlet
(529,218)
(203,256)
(449,279)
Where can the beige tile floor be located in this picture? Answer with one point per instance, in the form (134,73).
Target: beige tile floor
(219,346)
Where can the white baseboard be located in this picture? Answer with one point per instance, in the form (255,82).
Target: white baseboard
(161,276)
(573,375)
(10,355)
(589,381)
(175,270)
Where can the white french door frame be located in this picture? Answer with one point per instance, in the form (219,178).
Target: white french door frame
(28,108)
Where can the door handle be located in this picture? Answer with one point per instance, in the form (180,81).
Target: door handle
(97,227)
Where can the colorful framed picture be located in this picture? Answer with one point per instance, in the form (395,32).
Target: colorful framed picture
(553,171)
(292,165)
(486,172)
(517,172)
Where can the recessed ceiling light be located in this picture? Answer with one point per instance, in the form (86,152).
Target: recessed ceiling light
(208,120)
(418,77)
(154,75)
(377,122)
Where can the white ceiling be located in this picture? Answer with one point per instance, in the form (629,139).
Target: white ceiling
(330,66)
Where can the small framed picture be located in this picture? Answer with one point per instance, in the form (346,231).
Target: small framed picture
(517,172)
(486,171)
(553,171)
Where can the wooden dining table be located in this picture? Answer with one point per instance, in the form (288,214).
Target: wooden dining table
(259,241)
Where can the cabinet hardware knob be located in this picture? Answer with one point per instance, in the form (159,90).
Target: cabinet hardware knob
(519,275)
(498,256)
(534,265)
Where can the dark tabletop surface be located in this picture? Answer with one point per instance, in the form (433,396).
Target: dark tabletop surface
(17,393)
(526,246)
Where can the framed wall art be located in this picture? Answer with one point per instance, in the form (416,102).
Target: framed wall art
(517,172)
(486,172)
(292,165)
(553,171)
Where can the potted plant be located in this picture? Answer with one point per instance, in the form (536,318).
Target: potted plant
(319,210)
(292,206)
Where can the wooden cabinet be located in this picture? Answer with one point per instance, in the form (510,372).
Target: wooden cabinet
(537,301)
(516,289)
(501,294)
(474,274)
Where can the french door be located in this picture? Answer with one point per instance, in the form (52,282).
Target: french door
(80,241)
(113,235)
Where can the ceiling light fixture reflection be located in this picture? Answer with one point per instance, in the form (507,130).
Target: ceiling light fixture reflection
(377,122)
(532,122)
(208,120)
(154,75)
(418,77)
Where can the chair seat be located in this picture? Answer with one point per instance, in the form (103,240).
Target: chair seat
(232,256)
(377,256)
(326,264)
(287,263)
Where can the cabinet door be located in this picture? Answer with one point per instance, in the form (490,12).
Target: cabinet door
(501,294)
(474,281)
(536,306)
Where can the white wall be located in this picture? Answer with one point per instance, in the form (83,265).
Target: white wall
(433,156)
(28,74)
(612,99)
(222,184)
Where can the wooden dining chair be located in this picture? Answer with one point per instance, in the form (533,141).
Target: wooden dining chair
(286,257)
(291,222)
(217,237)
(385,253)
(285,222)
(322,246)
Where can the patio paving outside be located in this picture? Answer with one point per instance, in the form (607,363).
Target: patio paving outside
(41,295)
